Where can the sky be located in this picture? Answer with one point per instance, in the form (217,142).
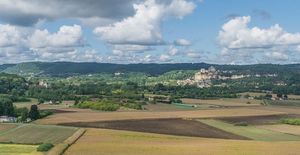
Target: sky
(150,31)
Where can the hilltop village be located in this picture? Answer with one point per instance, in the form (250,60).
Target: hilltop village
(203,78)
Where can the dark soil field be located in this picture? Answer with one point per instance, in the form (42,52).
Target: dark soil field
(179,127)
(257,120)
(57,111)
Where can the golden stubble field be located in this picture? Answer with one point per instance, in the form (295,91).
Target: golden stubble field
(83,115)
(285,109)
(284,128)
(113,142)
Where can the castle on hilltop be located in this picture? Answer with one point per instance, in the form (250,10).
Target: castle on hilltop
(204,74)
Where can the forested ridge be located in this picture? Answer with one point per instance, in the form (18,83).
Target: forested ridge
(73,68)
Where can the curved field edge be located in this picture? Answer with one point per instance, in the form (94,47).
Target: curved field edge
(115,142)
(251,132)
(13,149)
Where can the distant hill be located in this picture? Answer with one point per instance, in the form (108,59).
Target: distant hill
(5,66)
(72,68)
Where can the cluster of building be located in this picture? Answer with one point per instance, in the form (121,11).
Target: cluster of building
(43,83)
(7,119)
(202,78)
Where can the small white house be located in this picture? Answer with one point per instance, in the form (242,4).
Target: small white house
(7,119)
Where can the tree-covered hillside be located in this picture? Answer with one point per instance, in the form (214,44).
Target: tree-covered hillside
(72,68)
(5,66)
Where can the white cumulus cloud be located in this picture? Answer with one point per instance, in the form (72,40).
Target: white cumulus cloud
(66,36)
(144,27)
(182,42)
(276,55)
(165,58)
(236,36)
(10,35)
(173,51)
(192,54)
(19,44)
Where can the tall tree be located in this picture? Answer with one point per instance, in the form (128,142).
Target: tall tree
(6,107)
(34,112)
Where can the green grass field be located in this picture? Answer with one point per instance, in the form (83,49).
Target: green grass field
(13,149)
(36,134)
(251,131)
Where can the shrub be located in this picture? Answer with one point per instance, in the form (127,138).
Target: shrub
(291,121)
(45,113)
(241,124)
(44,147)
(133,106)
(102,105)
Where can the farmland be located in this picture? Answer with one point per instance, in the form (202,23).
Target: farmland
(284,128)
(163,126)
(255,94)
(5,127)
(92,116)
(113,142)
(64,104)
(251,132)
(164,129)
(284,109)
(36,134)
(13,149)
(257,120)
(165,107)
(224,102)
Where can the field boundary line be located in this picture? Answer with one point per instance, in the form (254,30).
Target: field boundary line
(59,149)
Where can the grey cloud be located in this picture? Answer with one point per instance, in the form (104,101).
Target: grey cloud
(27,13)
